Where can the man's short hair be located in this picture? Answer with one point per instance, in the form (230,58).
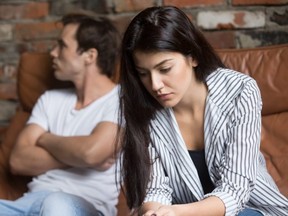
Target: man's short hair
(96,32)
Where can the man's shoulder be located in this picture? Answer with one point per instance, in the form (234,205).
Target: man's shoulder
(114,91)
(56,93)
(112,96)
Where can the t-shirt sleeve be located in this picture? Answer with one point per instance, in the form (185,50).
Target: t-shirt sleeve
(111,111)
(39,112)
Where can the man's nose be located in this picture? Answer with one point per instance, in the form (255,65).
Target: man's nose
(54,51)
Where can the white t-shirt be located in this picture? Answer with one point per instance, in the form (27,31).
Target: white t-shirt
(54,111)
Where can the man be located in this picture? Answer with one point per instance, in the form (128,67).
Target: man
(69,141)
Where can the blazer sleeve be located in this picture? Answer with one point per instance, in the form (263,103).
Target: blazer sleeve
(158,189)
(239,162)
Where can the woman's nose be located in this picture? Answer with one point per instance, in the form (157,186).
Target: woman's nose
(156,82)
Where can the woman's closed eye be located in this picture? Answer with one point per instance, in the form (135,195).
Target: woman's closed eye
(165,70)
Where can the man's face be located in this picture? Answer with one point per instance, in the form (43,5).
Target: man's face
(68,63)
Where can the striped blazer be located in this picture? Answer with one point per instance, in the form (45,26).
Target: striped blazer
(232,128)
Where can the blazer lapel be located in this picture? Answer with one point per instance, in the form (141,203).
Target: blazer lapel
(175,143)
(218,110)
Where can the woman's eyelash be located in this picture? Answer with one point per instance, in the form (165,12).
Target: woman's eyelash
(165,70)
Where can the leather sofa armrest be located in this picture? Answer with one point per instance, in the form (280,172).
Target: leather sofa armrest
(12,186)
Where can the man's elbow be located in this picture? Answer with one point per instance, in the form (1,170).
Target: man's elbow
(99,163)
(105,165)
(90,159)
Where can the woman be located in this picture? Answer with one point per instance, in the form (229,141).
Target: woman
(192,127)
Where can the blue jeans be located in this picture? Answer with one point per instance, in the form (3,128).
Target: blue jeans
(249,212)
(46,203)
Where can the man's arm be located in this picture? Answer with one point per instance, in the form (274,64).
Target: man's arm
(96,150)
(29,159)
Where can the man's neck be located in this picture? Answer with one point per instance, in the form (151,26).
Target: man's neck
(91,88)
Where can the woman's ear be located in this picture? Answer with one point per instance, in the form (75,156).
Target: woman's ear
(91,56)
(192,61)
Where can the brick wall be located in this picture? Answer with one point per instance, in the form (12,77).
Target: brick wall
(29,25)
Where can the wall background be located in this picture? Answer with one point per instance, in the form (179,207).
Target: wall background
(29,25)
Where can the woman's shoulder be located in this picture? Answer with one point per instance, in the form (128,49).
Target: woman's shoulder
(226,75)
(227,84)
(224,78)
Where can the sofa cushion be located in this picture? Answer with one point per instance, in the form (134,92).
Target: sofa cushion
(274,146)
(32,83)
(12,186)
(268,65)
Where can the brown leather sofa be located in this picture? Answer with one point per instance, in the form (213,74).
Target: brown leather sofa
(268,65)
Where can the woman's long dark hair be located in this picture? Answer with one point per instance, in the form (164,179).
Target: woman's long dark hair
(152,30)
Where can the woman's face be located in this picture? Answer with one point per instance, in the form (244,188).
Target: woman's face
(167,76)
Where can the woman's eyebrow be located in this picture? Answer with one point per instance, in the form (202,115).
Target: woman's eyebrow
(162,62)
(157,65)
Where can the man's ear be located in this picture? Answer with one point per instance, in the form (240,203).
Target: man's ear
(91,56)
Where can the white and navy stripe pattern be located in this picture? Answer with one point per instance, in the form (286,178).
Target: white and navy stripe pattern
(232,128)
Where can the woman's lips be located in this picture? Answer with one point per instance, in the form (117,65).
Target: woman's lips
(165,96)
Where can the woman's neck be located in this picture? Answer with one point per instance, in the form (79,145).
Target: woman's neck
(193,101)
(189,114)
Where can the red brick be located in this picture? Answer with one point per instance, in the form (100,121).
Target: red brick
(230,19)
(6,32)
(263,37)
(8,73)
(279,16)
(13,48)
(259,2)
(1,72)
(32,31)
(8,91)
(121,22)
(3,129)
(195,3)
(24,11)
(42,46)
(221,39)
(132,5)
(239,18)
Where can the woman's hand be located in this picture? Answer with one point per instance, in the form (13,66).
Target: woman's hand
(210,206)
(163,210)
